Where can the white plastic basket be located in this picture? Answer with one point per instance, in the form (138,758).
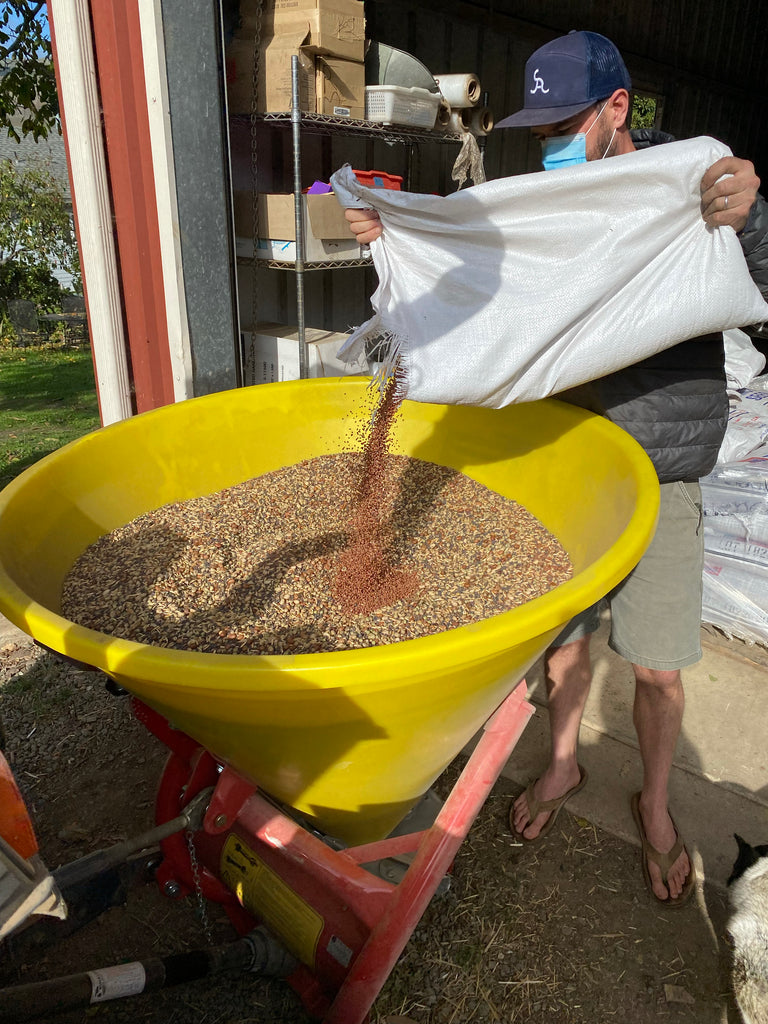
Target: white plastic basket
(396,104)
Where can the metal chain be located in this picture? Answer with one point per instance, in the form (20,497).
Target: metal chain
(255,158)
(202,903)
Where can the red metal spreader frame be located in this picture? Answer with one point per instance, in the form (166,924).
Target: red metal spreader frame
(345,926)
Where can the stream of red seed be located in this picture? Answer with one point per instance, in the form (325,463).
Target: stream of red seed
(366,577)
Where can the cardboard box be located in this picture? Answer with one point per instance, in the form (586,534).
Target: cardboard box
(277,218)
(326,217)
(274,82)
(333,30)
(316,250)
(335,27)
(272,354)
(326,231)
(354,7)
(340,87)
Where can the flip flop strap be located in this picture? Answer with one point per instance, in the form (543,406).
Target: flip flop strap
(537,807)
(664,861)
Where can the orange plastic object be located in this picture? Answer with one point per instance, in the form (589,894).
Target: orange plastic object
(379,179)
(15,824)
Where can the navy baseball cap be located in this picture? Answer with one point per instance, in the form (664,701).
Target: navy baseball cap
(566,76)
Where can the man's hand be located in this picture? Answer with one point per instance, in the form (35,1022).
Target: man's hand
(730,200)
(365,224)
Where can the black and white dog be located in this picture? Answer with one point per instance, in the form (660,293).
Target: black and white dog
(748,928)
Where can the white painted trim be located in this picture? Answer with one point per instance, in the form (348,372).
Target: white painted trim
(156,83)
(90,190)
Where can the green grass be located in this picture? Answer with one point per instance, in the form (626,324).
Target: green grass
(47,399)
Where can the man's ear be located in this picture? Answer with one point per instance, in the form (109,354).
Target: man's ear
(618,108)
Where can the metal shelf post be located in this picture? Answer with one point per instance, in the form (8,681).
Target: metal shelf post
(299,217)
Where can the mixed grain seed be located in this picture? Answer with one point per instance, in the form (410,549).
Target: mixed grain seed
(334,553)
(369,573)
(252,569)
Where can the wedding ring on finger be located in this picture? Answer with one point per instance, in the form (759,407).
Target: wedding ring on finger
(725,202)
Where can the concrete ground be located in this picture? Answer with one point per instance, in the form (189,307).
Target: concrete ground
(719,782)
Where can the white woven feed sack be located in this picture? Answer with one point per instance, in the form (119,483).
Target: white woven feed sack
(743,361)
(521,287)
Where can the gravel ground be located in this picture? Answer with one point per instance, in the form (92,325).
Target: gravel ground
(561,931)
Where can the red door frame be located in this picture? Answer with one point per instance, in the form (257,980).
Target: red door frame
(118,51)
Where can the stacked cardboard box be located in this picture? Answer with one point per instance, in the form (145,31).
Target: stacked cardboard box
(340,87)
(327,236)
(272,354)
(327,36)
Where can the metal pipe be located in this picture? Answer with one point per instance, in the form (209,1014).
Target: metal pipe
(257,952)
(482,141)
(299,216)
(101,860)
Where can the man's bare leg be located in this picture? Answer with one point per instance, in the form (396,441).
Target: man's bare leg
(658,717)
(568,676)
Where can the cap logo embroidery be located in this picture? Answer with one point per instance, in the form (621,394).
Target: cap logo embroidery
(538,83)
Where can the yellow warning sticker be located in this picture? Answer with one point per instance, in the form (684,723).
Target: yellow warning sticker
(265,895)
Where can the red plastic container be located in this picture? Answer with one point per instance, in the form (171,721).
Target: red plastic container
(379,179)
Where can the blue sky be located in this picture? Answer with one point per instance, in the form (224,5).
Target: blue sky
(15,21)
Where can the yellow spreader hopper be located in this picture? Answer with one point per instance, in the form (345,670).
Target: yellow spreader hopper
(350,739)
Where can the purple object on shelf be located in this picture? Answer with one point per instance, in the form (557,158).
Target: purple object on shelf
(319,188)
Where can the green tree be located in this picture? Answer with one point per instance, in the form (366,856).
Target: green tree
(35,235)
(27,81)
(643,112)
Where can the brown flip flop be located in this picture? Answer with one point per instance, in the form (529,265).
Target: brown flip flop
(664,861)
(536,807)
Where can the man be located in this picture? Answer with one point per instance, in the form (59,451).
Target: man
(675,404)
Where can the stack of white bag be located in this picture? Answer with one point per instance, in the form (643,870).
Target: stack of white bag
(735,503)
(521,287)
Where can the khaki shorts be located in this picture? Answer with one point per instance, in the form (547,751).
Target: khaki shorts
(656,610)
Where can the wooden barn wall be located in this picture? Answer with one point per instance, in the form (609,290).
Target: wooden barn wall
(704,57)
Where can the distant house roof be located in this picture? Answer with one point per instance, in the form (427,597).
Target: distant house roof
(48,153)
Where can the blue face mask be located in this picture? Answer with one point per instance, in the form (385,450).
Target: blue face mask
(567,150)
(564,151)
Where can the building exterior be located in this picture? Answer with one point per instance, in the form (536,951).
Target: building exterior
(154,158)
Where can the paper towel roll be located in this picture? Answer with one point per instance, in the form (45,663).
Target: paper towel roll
(443,116)
(460,90)
(480,120)
(458,122)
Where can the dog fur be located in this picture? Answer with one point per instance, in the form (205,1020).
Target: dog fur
(748,929)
